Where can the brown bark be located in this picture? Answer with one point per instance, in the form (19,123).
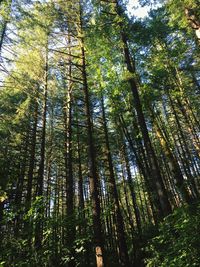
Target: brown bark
(184,147)
(70,230)
(145,171)
(20,183)
(194,21)
(93,176)
(123,251)
(157,179)
(174,168)
(40,177)
(32,157)
(80,175)
(131,188)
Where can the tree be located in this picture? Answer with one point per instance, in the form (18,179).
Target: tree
(99,134)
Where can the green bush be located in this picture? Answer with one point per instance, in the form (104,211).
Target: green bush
(178,241)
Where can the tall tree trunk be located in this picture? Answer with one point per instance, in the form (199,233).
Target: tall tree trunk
(184,146)
(32,157)
(40,178)
(173,165)
(20,182)
(156,175)
(70,230)
(132,191)
(123,251)
(31,165)
(80,175)
(144,169)
(93,176)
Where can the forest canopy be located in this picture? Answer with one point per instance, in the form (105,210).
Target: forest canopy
(99,133)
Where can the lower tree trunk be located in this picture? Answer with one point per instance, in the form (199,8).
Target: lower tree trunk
(132,191)
(32,157)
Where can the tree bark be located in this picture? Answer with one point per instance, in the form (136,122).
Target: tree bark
(194,21)
(32,157)
(40,178)
(173,165)
(93,176)
(157,179)
(123,251)
(70,230)
(132,191)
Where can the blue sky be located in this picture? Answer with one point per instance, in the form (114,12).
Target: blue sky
(135,9)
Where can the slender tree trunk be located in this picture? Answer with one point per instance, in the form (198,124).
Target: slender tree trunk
(3,33)
(157,179)
(174,166)
(20,183)
(93,176)
(123,251)
(132,191)
(32,157)
(5,21)
(191,127)
(145,171)
(80,175)
(70,230)
(40,178)
(5,171)
(184,146)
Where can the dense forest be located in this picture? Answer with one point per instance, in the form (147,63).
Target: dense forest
(99,134)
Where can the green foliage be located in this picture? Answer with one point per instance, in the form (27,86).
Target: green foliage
(161,51)
(177,243)
(3,195)
(19,250)
(36,209)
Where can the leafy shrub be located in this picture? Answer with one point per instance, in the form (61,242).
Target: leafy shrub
(178,241)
